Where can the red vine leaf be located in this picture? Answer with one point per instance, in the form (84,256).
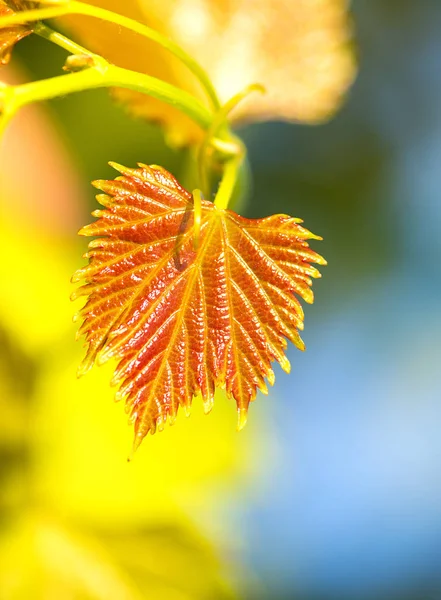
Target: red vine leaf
(9,36)
(182,321)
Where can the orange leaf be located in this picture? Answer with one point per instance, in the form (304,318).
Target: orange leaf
(182,321)
(9,36)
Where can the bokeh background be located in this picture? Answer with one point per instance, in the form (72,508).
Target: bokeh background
(333,490)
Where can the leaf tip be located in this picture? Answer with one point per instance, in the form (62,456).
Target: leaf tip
(84,367)
(308,295)
(299,343)
(120,395)
(121,168)
(242,416)
(98,184)
(76,277)
(263,388)
(103,356)
(137,440)
(208,404)
(117,166)
(271,377)
(285,364)
(75,294)
(160,423)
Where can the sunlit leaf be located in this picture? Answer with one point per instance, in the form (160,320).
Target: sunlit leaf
(179,321)
(9,36)
(299,50)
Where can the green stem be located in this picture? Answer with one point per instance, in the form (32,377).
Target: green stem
(64,42)
(17,96)
(228,182)
(61,40)
(74,7)
(103,74)
(228,143)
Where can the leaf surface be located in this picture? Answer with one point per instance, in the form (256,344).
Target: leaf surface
(179,321)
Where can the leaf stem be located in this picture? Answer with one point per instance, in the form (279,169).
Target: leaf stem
(80,8)
(231,143)
(228,182)
(103,74)
(64,42)
(14,97)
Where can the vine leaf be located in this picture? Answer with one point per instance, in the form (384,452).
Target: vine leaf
(182,321)
(9,36)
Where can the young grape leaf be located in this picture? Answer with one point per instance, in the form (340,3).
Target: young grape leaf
(182,321)
(9,36)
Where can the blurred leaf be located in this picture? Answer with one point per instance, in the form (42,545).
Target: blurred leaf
(43,558)
(182,321)
(299,50)
(34,304)
(81,447)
